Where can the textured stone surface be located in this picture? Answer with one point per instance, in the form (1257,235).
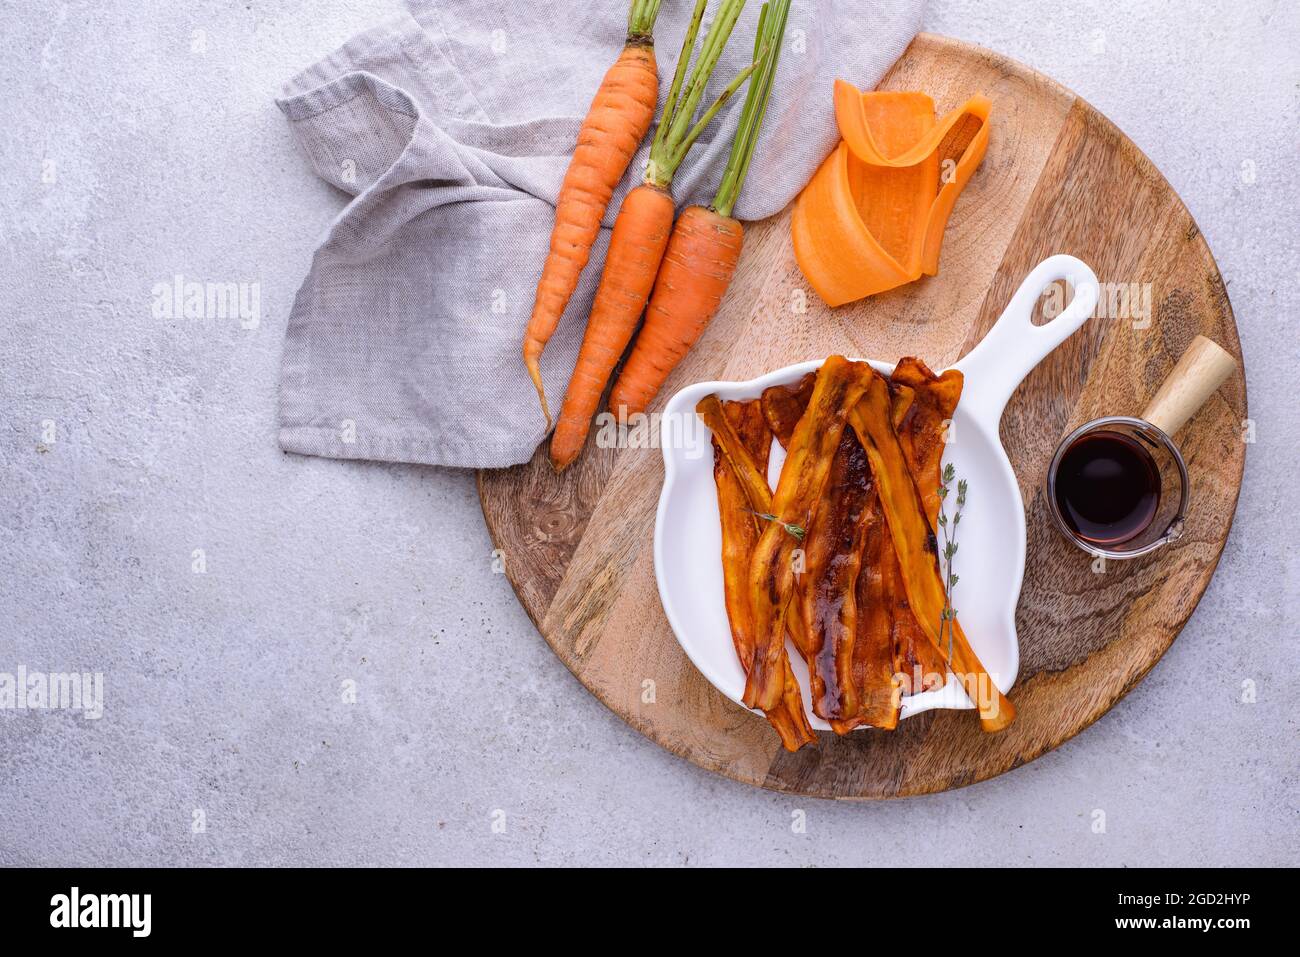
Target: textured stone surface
(137,148)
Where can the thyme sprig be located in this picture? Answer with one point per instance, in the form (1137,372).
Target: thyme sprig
(797,531)
(949,532)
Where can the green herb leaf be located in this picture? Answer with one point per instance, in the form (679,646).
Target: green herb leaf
(949,532)
(797,531)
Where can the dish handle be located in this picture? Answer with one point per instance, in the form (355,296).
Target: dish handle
(1014,346)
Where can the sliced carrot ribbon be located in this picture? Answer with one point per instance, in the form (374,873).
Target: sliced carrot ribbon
(873,216)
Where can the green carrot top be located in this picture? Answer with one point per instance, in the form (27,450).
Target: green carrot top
(767,51)
(676,134)
(641,19)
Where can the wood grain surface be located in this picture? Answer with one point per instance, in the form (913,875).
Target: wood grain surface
(1058,178)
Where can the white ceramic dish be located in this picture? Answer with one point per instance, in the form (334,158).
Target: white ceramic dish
(688,539)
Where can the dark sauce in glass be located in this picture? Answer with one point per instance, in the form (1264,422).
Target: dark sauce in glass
(1107,487)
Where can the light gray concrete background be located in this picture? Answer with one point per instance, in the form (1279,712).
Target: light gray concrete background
(140,141)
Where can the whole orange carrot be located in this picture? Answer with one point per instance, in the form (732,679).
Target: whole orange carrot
(698,266)
(635,250)
(640,236)
(616,122)
(704,248)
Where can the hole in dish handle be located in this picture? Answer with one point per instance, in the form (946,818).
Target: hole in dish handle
(1011,349)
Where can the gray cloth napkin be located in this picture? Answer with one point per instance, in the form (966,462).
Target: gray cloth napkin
(452,125)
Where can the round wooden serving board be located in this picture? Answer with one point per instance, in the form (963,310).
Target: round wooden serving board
(1058,178)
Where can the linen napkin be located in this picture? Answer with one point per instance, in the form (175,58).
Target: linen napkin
(451,125)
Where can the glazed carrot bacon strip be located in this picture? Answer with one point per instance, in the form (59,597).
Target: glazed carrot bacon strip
(818,603)
(922,436)
(922,430)
(733,446)
(832,558)
(740,436)
(809,456)
(859,494)
(875,593)
(752,476)
(841,595)
(783,407)
(914,543)
(740,533)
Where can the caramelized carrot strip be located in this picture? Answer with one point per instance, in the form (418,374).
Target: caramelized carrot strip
(737,452)
(825,589)
(922,433)
(914,543)
(828,648)
(809,456)
(852,681)
(751,475)
(740,529)
(875,648)
(874,652)
(784,406)
(741,425)
(922,436)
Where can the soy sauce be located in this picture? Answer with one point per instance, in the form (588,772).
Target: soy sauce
(1107,487)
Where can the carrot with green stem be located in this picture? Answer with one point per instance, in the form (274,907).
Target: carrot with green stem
(704,248)
(617,121)
(641,232)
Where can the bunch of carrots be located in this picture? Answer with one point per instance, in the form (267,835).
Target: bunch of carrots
(676,275)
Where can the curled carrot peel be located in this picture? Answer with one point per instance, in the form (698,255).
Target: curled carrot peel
(873,216)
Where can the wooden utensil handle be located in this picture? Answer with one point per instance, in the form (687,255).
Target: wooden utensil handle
(1203,368)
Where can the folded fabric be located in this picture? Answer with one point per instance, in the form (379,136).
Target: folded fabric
(452,125)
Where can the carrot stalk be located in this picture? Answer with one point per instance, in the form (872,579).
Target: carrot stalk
(640,236)
(616,123)
(767,47)
(679,75)
(704,249)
